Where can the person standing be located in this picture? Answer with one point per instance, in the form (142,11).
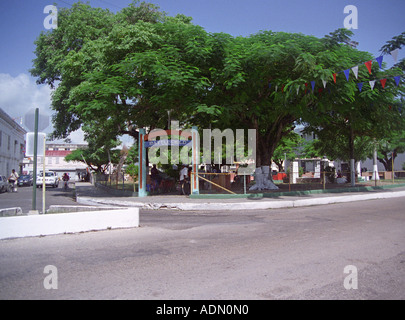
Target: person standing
(183,178)
(13,180)
(155,176)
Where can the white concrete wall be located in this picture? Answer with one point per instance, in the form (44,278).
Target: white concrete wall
(49,224)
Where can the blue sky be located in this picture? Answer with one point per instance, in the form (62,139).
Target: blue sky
(21,21)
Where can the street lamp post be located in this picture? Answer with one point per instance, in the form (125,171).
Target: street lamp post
(34,186)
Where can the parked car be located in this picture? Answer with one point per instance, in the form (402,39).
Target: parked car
(4,184)
(51,179)
(25,180)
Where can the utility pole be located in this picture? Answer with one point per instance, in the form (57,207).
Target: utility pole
(34,185)
(43,179)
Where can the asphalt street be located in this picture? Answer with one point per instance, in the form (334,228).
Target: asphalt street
(294,253)
(23,198)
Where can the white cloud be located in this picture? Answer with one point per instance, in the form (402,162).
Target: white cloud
(76,137)
(20,94)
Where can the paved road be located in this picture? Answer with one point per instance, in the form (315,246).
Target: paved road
(297,253)
(23,198)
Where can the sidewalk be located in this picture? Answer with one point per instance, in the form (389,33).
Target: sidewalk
(87,194)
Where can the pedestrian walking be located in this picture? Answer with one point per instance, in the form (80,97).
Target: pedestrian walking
(65,179)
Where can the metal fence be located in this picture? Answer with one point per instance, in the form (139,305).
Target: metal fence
(120,182)
(161,185)
(232,183)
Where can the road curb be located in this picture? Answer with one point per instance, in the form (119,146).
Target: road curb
(258,204)
(295,193)
(7,212)
(72,208)
(348,198)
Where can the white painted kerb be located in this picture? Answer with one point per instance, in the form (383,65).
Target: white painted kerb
(47,224)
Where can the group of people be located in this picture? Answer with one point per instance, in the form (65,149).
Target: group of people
(184,177)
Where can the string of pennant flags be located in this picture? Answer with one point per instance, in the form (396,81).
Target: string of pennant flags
(355,71)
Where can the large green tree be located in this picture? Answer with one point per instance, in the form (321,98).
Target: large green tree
(371,118)
(118,72)
(393,142)
(266,83)
(57,61)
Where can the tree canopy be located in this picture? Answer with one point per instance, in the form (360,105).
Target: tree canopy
(374,118)
(115,73)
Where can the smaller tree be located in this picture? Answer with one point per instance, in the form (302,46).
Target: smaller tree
(389,149)
(310,149)
(132,157)
(96,157)
(133,170)
(288,148)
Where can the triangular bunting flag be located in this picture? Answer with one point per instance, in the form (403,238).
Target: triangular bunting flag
(313,85)
(360,85)
(347,72)
(368,65)
(394,55)
(383,81)
(334,77)
(356,71)
(380,60)
(324,83)
(397,78)
(372,83)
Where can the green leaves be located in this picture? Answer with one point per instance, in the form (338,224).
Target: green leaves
(118,72)
(211,110)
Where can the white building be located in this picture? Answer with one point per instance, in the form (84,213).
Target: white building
(12,145)
(55,154)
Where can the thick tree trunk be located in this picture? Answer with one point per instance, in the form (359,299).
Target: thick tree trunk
(387,161)
(265,146)
(267,143)
(123,157)
(279,164)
